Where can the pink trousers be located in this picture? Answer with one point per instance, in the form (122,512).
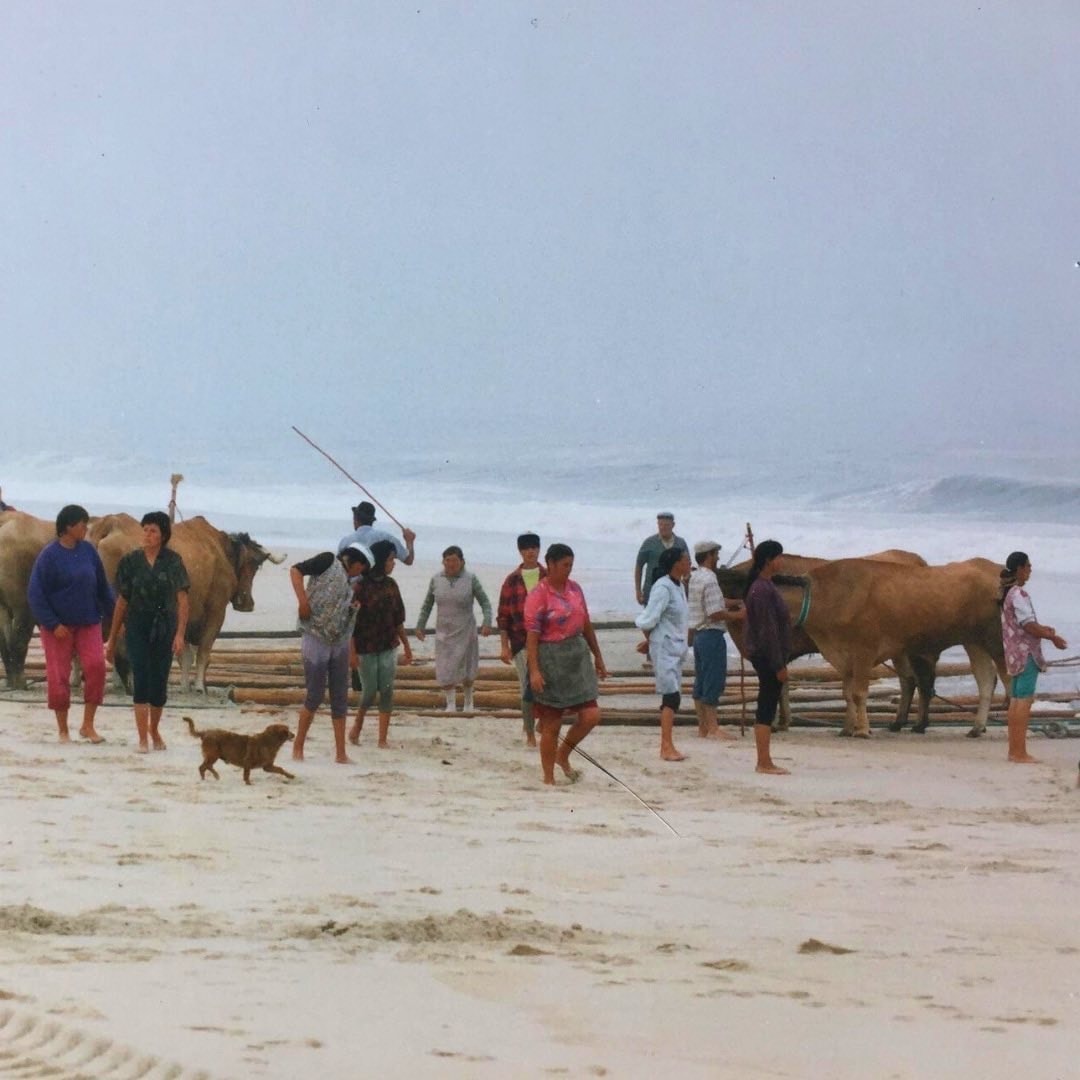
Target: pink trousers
(85,642)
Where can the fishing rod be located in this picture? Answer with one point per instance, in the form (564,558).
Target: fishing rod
(316,446)
(592,761)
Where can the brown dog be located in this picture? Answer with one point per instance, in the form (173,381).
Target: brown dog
(245,751)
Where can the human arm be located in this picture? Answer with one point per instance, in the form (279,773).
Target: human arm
(119,613)
(182,609)
(589,634)
(410,538)
(296,579)
(1037,629)
(481,598)
(425,611)
(637,579)
(37,594)
(105,597)
(406,647)
(532,655)
(659,599)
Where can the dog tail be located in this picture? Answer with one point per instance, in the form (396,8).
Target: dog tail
(191,724)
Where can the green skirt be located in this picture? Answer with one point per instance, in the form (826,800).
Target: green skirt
(569,673)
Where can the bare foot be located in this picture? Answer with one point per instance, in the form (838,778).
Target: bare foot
(772,770)
(91,736)
(64,736)
(159,743)
(1023,759)
(530,740)
(549,782)
(717,733)
(672,755)
(142,748)
(354,738)
(384,745)
(343,760)
(572,774)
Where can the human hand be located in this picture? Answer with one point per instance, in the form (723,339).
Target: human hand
(505,656)
(1059,642)
(642,647)
(303,609)
(178,645)
(61,632)
(640,598)
(601,669)
(406,655)
(485,631)
(536,682)
(409,536)
(781,675)
(110,650)
(420,634)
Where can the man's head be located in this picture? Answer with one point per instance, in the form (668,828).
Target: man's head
(363,514)
(529,548)
(706,552)
(665,525)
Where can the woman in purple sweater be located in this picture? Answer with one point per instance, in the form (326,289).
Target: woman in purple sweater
(69,597)
(768,645)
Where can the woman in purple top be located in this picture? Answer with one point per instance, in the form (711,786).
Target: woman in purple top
(69,596)
(768,645)
(1022,636)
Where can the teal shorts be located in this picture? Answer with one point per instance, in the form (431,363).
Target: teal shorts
(1023,685)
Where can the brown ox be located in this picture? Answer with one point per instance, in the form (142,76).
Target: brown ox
(864,611)
(912,672)
(22,536)
(221,567)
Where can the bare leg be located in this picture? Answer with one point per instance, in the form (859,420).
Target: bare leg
(1019,715)
(61,724)
(340,756)
(712,730)
(87,730)
(358,726)
(586,721)
(699,710)
(142,726)
(549,746)
(384,730)
(303,725)
(667,739)
(155,718)
(762,736)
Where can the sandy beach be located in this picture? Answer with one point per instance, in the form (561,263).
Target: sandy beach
(897,908)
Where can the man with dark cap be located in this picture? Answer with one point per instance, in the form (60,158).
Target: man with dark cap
(648,556)
(367,534)
(511,622)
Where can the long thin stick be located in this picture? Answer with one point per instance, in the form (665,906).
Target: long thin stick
(352,478)
(592,761)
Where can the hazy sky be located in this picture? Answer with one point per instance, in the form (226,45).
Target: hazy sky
(680,225)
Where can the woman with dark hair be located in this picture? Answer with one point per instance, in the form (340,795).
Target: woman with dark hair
(457,654)
(666,622)
(559,639)
(380,627)
(1022,636)
(70,597)
(326,608)
(768,644)
(152,607)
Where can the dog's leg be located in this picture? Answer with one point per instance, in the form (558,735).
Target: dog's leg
(247,774)
(278,769)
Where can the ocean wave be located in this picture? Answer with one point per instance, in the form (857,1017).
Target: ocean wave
(968,494)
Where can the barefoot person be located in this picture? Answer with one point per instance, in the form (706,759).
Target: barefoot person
(511,622)
(457,654)
(708,614)
(69,598)
(564,661)
(1022,636)
(152,609)
(768,645)
(666,622)
(327,608)
(380,628)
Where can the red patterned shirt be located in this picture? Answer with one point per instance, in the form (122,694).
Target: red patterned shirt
(511,618)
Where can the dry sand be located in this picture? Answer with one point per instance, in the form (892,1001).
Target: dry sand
(897,908)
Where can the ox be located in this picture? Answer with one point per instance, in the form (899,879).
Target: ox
(221,567)
(22,536)
(864,611)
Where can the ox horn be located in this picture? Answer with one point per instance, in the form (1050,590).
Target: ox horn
(277,560)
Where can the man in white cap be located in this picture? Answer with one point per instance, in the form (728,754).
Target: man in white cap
(708,614)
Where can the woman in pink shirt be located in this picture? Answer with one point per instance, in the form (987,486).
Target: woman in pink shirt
(1022,636)
(564,661)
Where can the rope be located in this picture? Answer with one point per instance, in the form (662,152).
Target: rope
(592,761)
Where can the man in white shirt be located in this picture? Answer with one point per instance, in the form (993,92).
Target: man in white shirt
(367,533)
(708,613)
